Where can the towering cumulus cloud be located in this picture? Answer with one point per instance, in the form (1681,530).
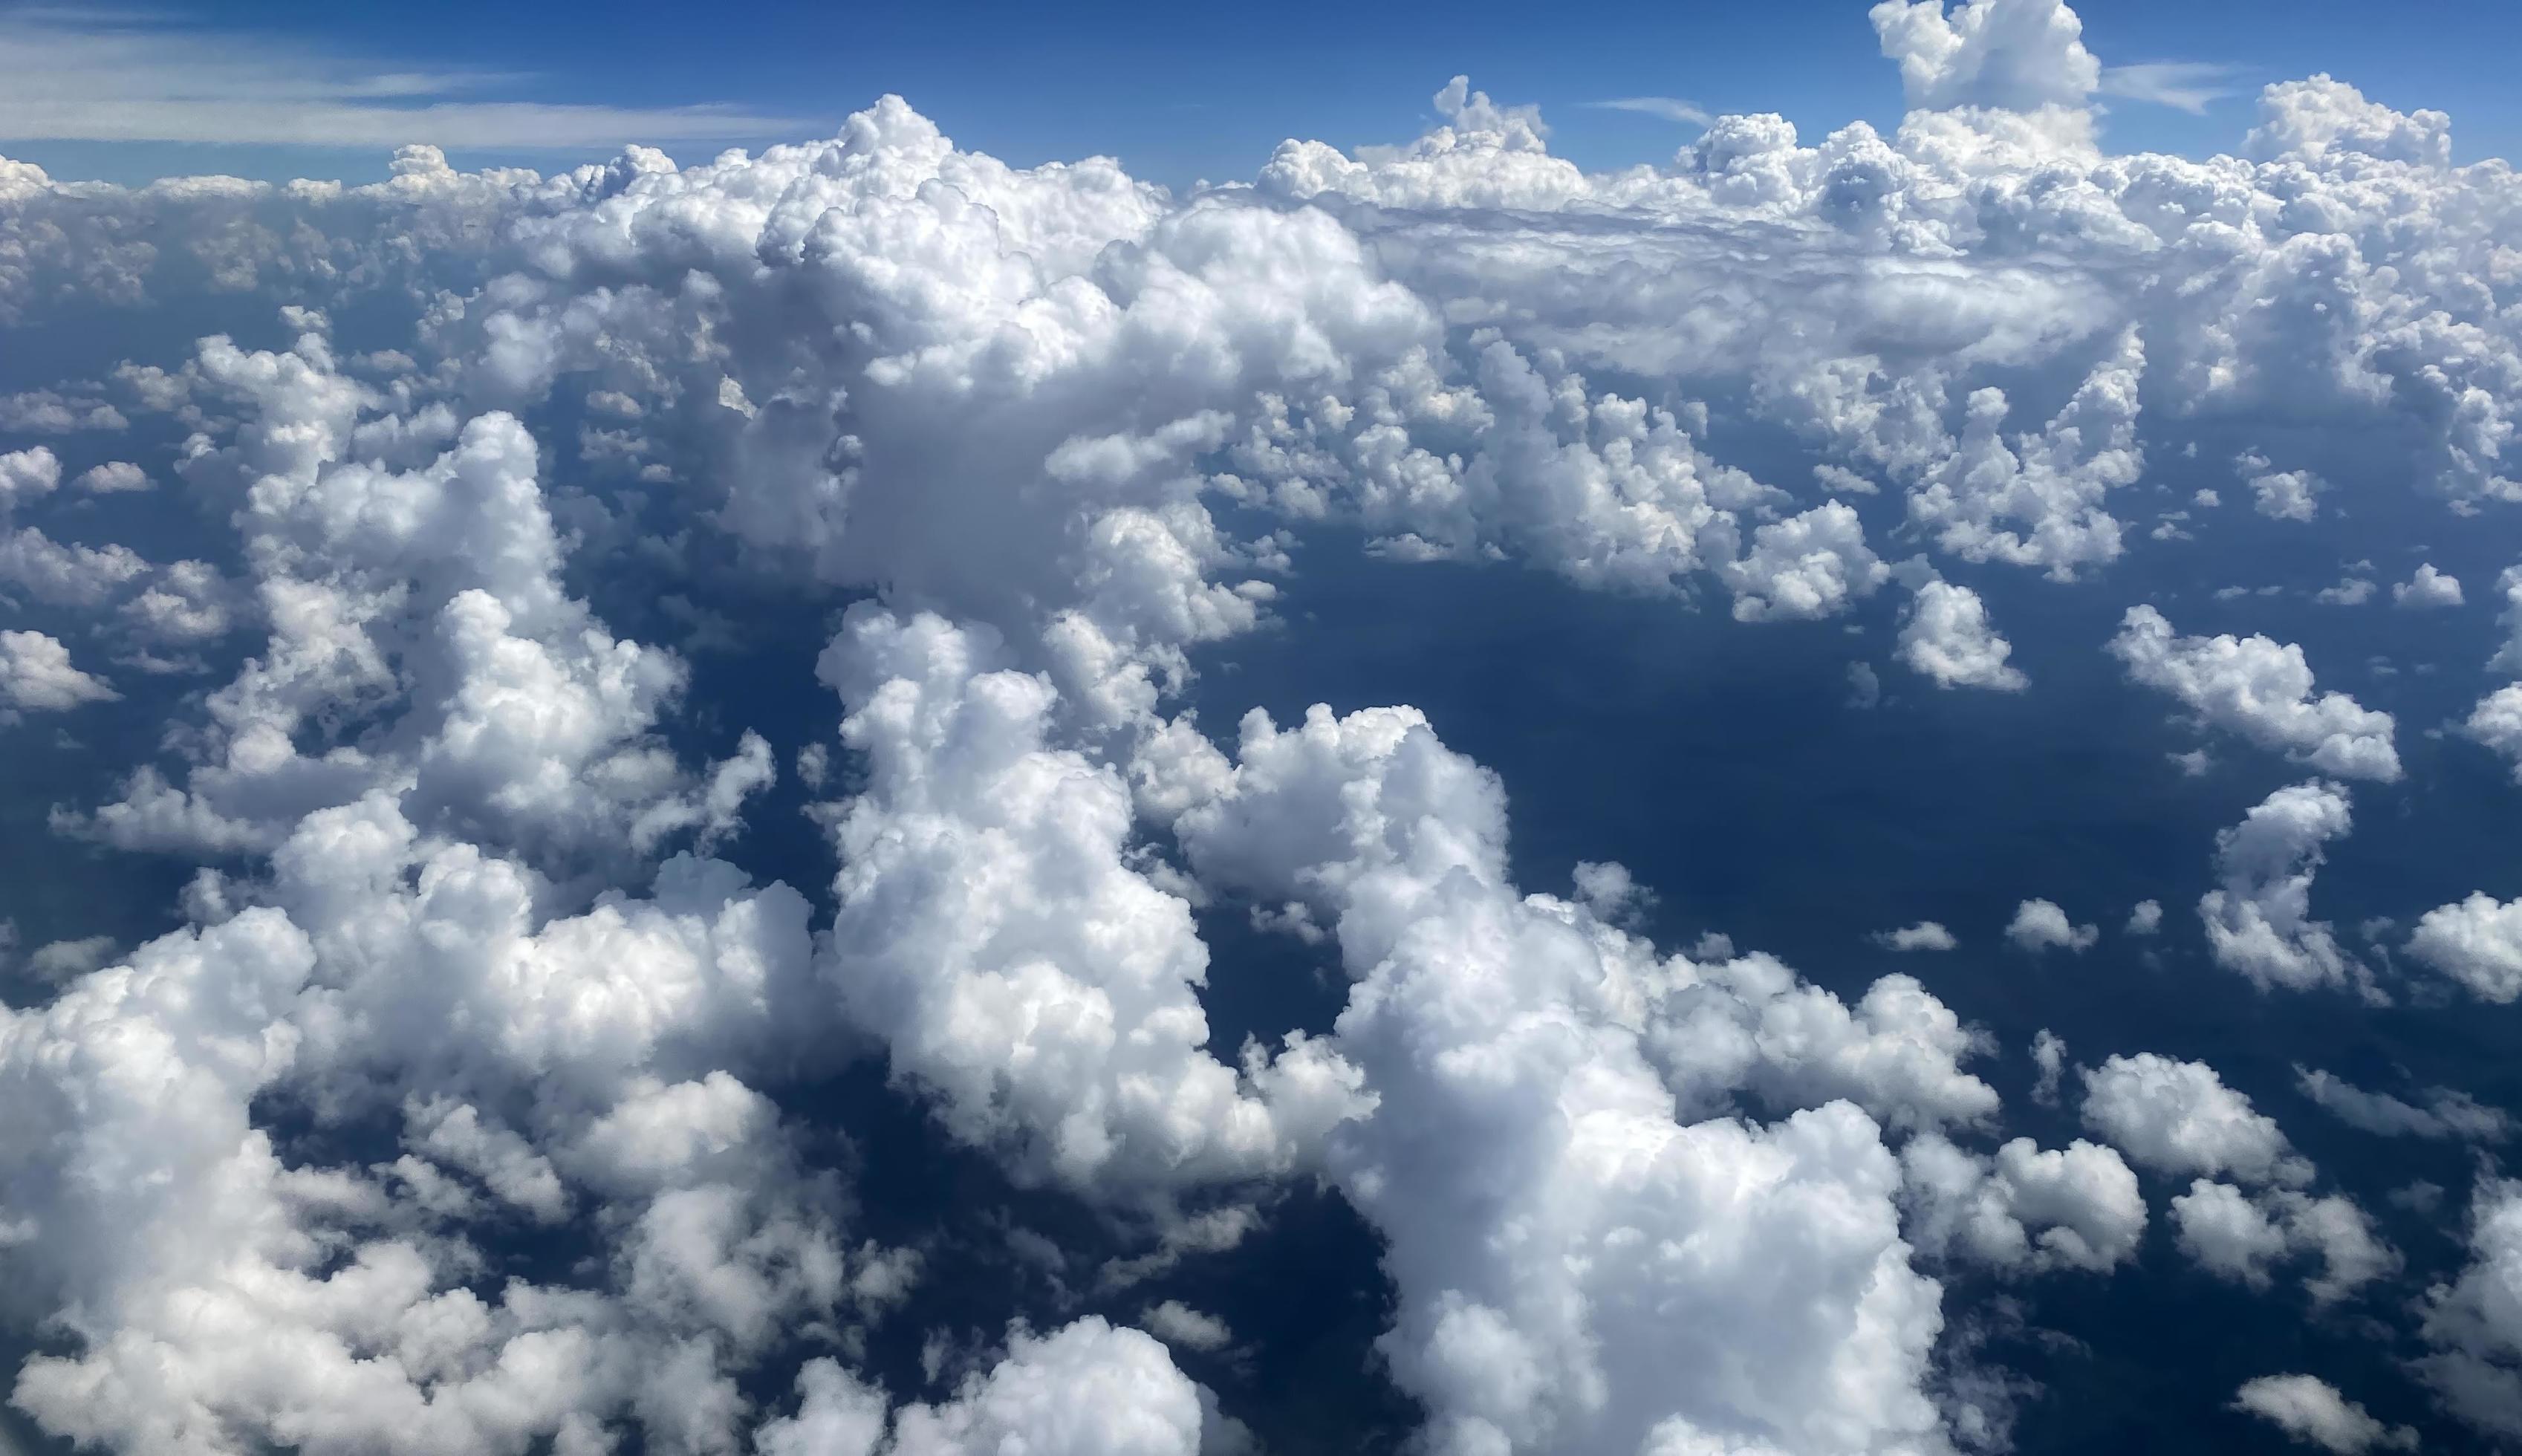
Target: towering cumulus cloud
(414,598)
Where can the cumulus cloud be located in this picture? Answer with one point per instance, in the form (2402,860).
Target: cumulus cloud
(2428,589)
(2082,1199)
(2312,1412)
(2475,941)
(2147,917)
(1946,636)
(114,477)
(2040,925)
(2238,1236)
(994,934)
(2017,54)
(1635,1062)
(2258,918)
(2179,1117)
(2280,495)
(36,675)
(2471,1324)
(1926,935)
(2260,689)
(1068,429)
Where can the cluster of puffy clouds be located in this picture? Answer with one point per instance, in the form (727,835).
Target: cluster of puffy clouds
(1047,435)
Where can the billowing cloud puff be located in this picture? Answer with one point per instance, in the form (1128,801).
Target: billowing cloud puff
(2040,925)
(2260,689)
(2259,921)
(2473,1324)
(1538,1070)
(1086,1389)
(1065,428)
(2237,1236)
(1947,638)
(2429,589)
(2082,1201)
(36,675)
(2312,1411)
(993,935)
(1926,935)
(2477,942)
(2179,1117)
(2017,54)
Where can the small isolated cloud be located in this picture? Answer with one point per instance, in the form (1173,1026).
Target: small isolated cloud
(2261,689)
(1669,107)
(114,477)
(2184,85)
(2146,918)
(36,675)
(2428,589)
(2477,942)
(1946,636)
(2179,1117)
(2040,925)
(1179,1325)
(1926,935)
(2312,1411)
(2447,1113)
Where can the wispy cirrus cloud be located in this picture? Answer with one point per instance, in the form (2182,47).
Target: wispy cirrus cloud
(1669,107)
(2184,85)
(109,75)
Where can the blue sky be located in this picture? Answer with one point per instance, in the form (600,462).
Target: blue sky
(1181,93)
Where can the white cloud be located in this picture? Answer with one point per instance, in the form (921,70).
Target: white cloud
(27,475)
(454,790)
(2025,1209)
(113,477)
(2312,1411)
(992,934)
(2321,118)
(2238,1236)
(2474,1324)
(1086,1389)
(2260,689)
(2428,589)
(1538,1070)
(2040,925)
(2477,942)
(2179,1117)
(112,77)
(2281,495)
(2049,1056)
(36,675)
(2183,86)
(2258,918)
(2497,723)
(1669,107)
(2017,54)
(2446,1114)
(1178,1324)
(1926,935)
(2146,918)
(1947,635)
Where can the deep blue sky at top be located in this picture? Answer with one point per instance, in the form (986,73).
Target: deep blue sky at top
(1183,92)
